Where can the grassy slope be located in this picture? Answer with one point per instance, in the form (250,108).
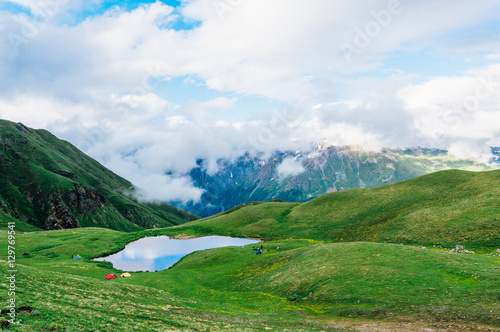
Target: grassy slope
(304,285)
(37,168)
(444,208)
(21,226)
(357,279)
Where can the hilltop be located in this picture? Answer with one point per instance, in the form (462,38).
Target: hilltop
(47,183)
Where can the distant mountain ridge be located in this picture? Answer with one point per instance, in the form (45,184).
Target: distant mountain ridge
(47,183)
(496,155)
(324,169)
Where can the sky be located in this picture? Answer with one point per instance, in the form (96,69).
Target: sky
(149,87)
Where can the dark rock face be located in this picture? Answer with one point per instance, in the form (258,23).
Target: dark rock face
(84,199)
(79,200)
(61,217)
(134,215)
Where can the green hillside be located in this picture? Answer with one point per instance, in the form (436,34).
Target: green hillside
(50,184)
(444,208)
(294,285)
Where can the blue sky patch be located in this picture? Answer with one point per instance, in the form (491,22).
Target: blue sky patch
(99,9)
(131,5)
(13,8)
(181,90)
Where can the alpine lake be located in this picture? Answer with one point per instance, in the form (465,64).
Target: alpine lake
(161,252)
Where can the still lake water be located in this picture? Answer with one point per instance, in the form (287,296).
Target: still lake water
(161,252)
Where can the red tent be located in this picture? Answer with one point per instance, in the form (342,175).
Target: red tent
(110,276)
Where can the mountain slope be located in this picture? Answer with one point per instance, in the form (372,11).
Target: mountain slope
(323,170)
(50,184)
(443,208)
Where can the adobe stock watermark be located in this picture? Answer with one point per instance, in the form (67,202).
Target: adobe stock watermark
(151,81)
(484,90)
(11,273)
(94,136)
(276,127)
(31,27)
(223,7)
(456,115)
(363,37)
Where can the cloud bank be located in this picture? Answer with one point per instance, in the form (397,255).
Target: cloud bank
(365,73)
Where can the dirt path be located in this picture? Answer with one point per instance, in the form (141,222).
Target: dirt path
(409,326)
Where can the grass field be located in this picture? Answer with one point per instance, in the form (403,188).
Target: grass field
(305,284)
(352,260)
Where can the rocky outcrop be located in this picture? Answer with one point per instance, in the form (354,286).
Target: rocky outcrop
(77,201)
(61,217)
(134,215)
(461,249)
(85,200)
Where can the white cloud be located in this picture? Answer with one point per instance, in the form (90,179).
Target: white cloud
(449,109)
(470,149)
(289,167)
(279,55)
(155,185)
(96,83)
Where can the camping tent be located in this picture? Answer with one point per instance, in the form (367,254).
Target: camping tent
(125,275)
(110,276)
(77,257)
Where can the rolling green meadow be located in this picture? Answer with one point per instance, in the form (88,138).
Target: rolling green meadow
(366,259)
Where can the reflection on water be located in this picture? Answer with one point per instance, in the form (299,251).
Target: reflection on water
(161,252)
